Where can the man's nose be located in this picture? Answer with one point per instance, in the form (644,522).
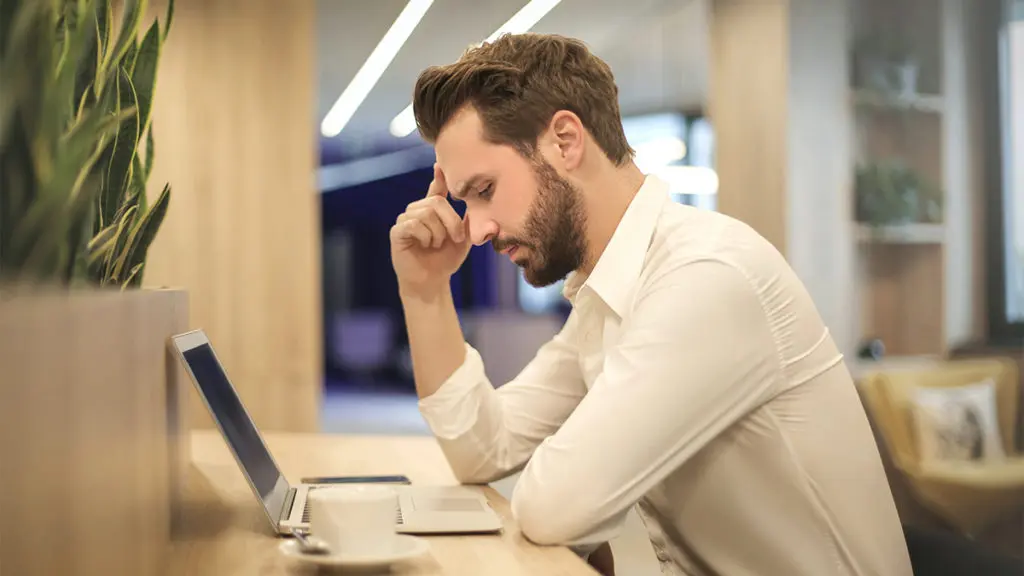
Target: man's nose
(481,229)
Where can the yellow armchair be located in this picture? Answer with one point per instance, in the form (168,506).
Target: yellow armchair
(969,495)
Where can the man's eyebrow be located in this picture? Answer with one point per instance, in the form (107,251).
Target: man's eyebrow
(463,191)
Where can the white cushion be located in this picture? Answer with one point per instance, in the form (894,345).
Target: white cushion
(958,423)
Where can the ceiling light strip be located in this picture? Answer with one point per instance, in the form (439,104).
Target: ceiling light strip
(523,20)
(371,71)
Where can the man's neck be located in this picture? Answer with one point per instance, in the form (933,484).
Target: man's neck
(607,199)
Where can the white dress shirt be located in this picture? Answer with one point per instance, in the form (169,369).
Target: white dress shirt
(695,380)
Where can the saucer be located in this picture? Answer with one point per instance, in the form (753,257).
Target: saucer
(406,547)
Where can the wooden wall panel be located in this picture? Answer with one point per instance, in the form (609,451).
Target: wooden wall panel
(234,125)
(907,297)
(748,105)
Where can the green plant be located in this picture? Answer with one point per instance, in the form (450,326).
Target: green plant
(76,141)
(889,193)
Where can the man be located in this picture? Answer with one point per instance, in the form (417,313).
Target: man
(693,378)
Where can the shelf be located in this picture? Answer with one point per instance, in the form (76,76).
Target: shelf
(928,103)
(902,234)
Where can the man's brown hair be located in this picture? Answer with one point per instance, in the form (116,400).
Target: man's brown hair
(517,83)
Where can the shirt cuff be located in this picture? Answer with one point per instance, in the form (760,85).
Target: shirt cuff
(451,410)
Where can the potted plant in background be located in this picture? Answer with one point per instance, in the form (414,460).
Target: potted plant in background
(89,399)
(888,193)
(76,145)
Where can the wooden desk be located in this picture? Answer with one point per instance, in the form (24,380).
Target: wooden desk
(223,531)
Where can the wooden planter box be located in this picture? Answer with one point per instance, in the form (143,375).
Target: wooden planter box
(93,450)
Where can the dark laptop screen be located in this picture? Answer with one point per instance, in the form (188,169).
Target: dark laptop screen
(228,410)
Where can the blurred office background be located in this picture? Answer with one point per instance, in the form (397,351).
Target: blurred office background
(878,143)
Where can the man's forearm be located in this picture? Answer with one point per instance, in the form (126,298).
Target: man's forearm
(436,341)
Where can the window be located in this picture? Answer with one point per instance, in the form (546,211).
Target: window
(1006,183)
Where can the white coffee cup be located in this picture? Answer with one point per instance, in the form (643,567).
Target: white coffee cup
(357,520)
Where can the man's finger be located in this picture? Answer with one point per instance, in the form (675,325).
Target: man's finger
(413,230)
(438,187)
(432,219)
(450,218)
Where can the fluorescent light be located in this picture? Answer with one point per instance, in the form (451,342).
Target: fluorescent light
(527,17)
(695,180)
(659,152)
(370,72)
(403,124)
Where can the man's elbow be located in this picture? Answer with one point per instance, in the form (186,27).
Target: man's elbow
(549,521)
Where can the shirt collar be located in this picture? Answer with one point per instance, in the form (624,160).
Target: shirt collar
(618,268)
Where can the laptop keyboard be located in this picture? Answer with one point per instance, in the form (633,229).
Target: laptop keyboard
(305,510)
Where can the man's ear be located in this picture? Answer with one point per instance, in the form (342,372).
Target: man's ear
(567,137)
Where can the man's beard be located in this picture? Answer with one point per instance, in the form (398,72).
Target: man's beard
(554,229)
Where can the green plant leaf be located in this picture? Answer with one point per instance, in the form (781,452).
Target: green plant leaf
(169,17)
(117,255)
(78,153)
(50,253)
(119,169)
(67,27)
(79,37)
(138,184)
(144,73)
(85,74)
(78,236)
(146,230)
(106,22)
(101,245)
(134,278)
(76,97)
(101,69)
(23,32)
(56,102)
(150,153)
(133,11)
(130,55)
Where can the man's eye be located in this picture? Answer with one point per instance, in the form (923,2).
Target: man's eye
(486,192)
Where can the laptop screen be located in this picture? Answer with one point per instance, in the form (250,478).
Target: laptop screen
(241,434)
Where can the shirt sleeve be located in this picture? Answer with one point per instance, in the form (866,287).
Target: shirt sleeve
(695,355)
(487,433)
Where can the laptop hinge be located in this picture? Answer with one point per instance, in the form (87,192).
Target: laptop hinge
(289,500)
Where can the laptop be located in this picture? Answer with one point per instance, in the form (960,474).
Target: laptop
(420,509)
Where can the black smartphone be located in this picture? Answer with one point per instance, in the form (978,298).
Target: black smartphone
(397,479)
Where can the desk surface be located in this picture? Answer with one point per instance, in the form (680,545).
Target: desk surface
(224,532)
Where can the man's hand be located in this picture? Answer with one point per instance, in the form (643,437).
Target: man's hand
(602,560)
(428,244)
(429,241)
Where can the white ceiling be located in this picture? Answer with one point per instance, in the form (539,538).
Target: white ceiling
(657,49)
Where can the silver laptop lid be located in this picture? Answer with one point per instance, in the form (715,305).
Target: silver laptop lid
(235,424)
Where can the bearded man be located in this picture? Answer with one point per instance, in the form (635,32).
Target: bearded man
(693,380)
